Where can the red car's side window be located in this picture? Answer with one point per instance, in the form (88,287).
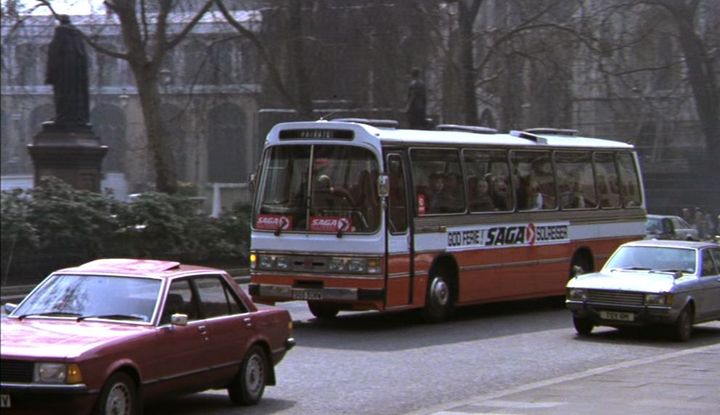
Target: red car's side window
(179,300)
(216,298)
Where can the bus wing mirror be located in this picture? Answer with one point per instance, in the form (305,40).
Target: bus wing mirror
(251,182)
(383,185)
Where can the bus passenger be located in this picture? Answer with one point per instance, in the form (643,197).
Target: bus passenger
(535,198)
(571,195)
(482,201)
(499,192)
(440,198)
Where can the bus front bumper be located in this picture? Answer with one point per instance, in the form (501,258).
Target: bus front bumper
(275,292)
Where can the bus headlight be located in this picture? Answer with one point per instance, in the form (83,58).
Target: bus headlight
(336,265)
(358,265)
(282,263)
(373,266)
(659,299)
(266,262)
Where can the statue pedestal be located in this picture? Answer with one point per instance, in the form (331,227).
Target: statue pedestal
(73,154)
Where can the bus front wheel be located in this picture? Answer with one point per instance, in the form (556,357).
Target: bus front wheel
(438,302)
(323,311)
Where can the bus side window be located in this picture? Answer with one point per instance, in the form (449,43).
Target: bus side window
(606,179)
(396,197)
(533,180)
(628,180)
(488,186)
(576,185)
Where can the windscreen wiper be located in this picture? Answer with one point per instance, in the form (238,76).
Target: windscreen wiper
(113,317)
(50,314)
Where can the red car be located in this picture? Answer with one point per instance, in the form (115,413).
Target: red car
(104,336)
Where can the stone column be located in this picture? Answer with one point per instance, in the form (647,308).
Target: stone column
(72,154)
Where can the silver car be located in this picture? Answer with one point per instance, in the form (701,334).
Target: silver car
(672,283)
(669,227)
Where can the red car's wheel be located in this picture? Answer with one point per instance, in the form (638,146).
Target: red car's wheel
(249,384)
(118,397)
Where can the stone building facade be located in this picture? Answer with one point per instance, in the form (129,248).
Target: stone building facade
(219,100)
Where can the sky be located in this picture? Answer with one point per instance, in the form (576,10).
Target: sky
(71,7)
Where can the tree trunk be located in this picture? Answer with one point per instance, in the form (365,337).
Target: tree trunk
(468,74)
(157,135)
(297,59)
(702,81)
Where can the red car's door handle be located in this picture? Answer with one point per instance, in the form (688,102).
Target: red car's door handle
(202,329)
(248,322)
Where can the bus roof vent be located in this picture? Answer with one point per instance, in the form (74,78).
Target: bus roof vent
(528,136)
(552,131)
(379,123)
(466,128)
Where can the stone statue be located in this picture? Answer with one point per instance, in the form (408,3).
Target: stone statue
(416,101)
(67,72)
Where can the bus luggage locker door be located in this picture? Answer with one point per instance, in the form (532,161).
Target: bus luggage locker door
(399,279)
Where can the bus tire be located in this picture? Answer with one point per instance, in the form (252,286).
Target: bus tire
(323,311)
(438,303)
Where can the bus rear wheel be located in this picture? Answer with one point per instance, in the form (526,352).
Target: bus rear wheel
(438,303)
(323,311)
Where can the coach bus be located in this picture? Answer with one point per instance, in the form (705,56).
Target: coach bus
(357,214)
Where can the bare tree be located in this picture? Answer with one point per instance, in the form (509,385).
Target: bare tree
(299,97)
(655,52)
(146,44)
(146,39)
(700,66)
(494,57)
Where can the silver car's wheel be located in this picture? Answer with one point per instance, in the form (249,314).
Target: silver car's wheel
(682,330)
(118,397)
(583,326)
(249,384)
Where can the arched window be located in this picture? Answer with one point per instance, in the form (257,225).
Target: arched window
(108,122)
(219,63)
(29,70)
(106,71)
(9,159)
(226,159)
(194,62)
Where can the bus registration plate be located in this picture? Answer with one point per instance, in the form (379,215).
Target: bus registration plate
(307,295)
(617,316)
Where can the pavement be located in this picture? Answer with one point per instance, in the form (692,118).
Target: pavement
(681,382)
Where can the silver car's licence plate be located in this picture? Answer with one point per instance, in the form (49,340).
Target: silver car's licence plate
(617,316)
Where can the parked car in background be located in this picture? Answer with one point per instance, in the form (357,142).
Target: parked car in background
(669,227)
(108,334)
(672,283)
